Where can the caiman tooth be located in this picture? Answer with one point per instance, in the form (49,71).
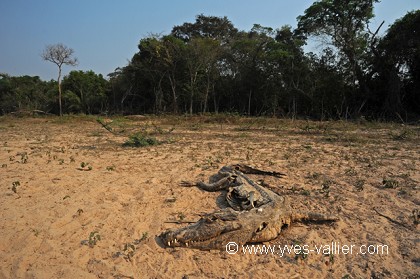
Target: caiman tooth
(186,244)
(169,243)
(175,240)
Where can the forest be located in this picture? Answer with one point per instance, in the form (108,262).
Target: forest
(209,66)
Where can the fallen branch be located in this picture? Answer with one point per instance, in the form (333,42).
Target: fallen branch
(391,220)
(180,222)
(106,126)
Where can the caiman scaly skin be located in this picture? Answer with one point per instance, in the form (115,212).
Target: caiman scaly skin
(257,214)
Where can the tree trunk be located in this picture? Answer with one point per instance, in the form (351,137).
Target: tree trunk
(216,106)
(206,97)
(191,103)
(249,102)
(174,97)
(59,90)
(193,79)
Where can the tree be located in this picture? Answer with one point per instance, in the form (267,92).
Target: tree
(345,24)
(398,64)
(206,27)
(24,93)
(163,58)
(85,91)
(60,55)
(202,55)
(249,56)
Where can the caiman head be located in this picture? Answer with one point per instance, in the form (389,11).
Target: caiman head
(215,230)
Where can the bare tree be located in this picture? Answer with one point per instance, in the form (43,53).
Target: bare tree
(60,55)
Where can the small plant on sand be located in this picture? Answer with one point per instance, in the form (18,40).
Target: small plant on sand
(130,248)
(143,236)
(140,140)
(359,184)
(85,166)
(325,187)
(389,183)
(330,260)
(23,157)
(15,184)
(305,192)
(35,231)
(110,168)
(94,237)
(416,217)
(181,216)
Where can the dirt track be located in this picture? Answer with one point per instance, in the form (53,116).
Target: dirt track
(368,174)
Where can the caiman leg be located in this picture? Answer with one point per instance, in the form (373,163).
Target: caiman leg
(221,184)
(251,198)
(313,217)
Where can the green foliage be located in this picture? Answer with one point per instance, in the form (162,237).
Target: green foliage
(209,66)
(398,55)
(85,166)
(219,28)
(72,103)
(15,184)
(140,140)
(25,93)
(344,23)
(84,91)
(390,183)
(94,237)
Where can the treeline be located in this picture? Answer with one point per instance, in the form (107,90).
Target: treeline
(83,92)
(211,66)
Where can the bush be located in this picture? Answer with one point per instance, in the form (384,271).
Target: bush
(140,140)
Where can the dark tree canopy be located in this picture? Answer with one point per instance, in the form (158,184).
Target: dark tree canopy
(206,27)
(85,92)
(209,66)
(398,65)
(344,23)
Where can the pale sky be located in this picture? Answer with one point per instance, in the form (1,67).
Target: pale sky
(105,33)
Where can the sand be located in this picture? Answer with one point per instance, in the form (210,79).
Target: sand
(60,218)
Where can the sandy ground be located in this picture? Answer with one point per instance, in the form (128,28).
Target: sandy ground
(61,220)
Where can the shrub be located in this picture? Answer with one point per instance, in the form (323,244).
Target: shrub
(140,140)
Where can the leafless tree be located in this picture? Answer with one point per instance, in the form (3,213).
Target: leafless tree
(60,55)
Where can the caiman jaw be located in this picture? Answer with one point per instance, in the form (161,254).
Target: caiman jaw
(181,238)
(207,233)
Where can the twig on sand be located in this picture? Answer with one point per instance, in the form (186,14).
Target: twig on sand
(180,222)
(391,220)
(106,126)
